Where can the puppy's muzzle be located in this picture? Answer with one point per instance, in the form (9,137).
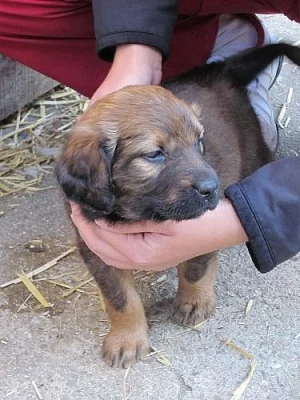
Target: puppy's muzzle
(207,188)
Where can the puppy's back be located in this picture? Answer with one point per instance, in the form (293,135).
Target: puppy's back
(234,144)
(218,92)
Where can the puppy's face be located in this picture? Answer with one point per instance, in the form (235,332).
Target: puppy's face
(136,155)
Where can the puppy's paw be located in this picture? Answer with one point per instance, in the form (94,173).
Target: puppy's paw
(193,312)
(121,350)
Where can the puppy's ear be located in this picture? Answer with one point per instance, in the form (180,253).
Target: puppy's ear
(197,109)
(84,170)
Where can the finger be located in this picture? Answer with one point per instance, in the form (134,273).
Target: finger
(91,235)
(75,208)
(164,228)
(114,248)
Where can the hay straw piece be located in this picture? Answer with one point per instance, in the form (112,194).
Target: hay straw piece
(4,188)
(282,113)
(163,360)
(153,351)
(40,269)
(34,290)
(288,120)
(101,301)
(18,119)
(190,328)
(34,125)
(59,102)
(237,393)
(248,308)
(36,189)
(75,288)
(25,116)
(125,396)
(66,286)
(160,357)
(63,93)
(21,187)
(37,392)
(289,96)
(42,110)
(61,128)
(24,302)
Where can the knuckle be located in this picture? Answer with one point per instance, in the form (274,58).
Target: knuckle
(138,258)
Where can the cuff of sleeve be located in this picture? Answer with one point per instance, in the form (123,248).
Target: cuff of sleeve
(257,244)
(106,45)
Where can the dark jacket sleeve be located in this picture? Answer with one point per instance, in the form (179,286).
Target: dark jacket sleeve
(148,22)
(268,205)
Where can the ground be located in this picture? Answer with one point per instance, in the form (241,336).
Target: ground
(55,354)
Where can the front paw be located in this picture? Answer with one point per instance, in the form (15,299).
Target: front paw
(121,350)
(192,312)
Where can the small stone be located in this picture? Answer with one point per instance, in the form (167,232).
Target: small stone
(276,366)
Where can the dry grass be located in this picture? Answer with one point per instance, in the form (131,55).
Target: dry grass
(238,392)
(43,268)
(31,139)
(34,291)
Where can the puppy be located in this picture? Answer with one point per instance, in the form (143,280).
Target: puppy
(164,153)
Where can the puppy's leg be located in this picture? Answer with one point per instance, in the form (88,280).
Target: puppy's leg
(127,340)
(195,298)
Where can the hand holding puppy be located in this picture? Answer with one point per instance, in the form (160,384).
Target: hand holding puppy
(152,246)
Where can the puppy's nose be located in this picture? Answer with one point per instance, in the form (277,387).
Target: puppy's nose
(207,187)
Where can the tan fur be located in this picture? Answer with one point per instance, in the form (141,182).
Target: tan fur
(127,339)
(195,301)
(106,168)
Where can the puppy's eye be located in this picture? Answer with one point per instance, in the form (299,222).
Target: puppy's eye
(157,156)
(201,145)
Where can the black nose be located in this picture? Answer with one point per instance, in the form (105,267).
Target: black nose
(207,187)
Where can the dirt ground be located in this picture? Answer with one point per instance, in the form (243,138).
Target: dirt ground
(54,354)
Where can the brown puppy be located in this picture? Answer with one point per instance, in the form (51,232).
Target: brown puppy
(145,153)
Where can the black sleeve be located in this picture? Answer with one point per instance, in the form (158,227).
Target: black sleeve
(148,22)
(268,205)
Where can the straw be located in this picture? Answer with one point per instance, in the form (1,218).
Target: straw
(40,269)
(34,290)
(33,138)
(237,393)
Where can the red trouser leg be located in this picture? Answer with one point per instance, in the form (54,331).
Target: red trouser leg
(53,37)
(56,37)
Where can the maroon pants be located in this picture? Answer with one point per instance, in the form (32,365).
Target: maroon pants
(56,37)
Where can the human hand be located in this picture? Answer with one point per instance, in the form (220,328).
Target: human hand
(158,246)
(133,64)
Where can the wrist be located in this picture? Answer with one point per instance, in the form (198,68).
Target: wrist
(139,53)
(140,60)
(216,229)
(233,232)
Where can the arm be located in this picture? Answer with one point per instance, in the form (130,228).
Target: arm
(133,65)
(136,36)
(268,206)
(143,22)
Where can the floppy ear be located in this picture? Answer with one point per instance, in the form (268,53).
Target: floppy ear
(84,170)
(197,109)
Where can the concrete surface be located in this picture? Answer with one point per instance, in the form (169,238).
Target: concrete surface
(58,351)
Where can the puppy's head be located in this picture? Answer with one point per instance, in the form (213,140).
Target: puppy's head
(138,154)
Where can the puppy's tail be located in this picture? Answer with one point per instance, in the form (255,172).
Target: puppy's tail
(244,67)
